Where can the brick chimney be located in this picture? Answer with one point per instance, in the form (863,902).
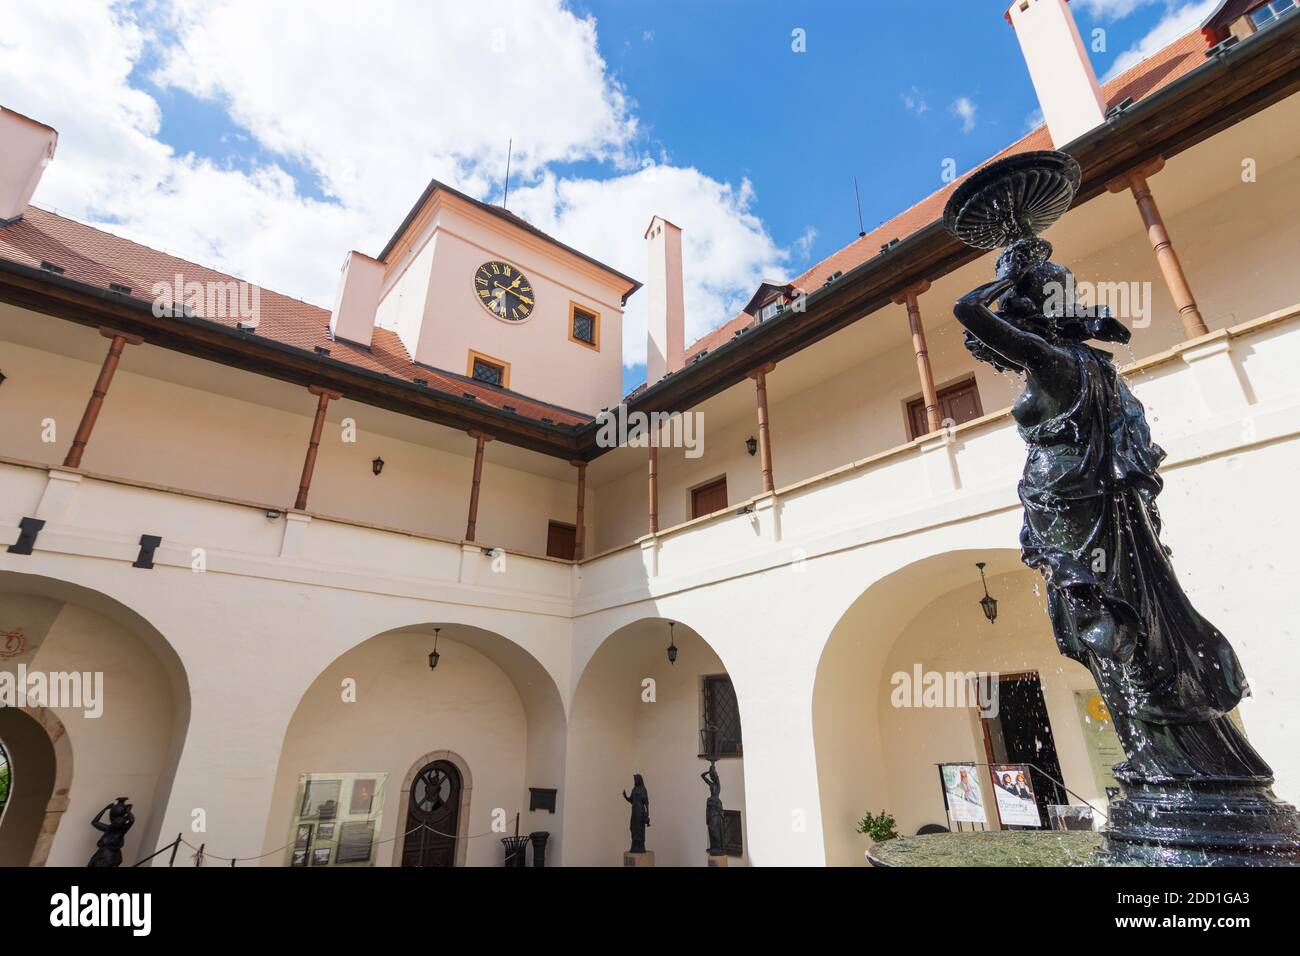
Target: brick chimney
(26,148)
(1064,79)
(666,328)
(353,318)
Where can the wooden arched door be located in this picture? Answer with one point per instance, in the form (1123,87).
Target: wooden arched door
(432,816)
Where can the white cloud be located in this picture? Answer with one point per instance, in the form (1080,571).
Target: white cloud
(914,101)
(964,109)
(373,100)
(1112,9)
(1177,21)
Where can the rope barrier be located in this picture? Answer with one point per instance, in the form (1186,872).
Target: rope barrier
(202,852)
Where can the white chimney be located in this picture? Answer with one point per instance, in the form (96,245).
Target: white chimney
(353,318)
(665,345)
(26,148)
(1058,62)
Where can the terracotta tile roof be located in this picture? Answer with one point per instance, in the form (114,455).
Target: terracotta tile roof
(1176,60)
(100,259)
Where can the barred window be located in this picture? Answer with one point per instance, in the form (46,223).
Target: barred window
(584,325)
(721,715)
(489,372)
(733,841)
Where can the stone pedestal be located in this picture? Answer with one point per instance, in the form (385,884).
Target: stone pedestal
(639,859)
(717,860)
(1210,821)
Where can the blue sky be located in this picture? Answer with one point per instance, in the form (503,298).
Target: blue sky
(249,136)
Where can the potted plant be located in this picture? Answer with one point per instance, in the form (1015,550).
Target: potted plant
(878,827)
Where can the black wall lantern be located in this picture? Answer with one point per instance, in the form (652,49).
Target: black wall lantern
(672,647)
(433,654)
(988,604)
(377,465)
(751,445)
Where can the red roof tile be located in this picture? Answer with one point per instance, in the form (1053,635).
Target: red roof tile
(98,258)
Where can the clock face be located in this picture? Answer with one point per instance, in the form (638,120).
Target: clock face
(504,291)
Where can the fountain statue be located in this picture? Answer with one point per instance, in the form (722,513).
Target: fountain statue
(120,820)
(1194,791)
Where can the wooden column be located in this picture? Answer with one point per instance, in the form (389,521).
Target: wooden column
(323,397)
(759,375)
(930,395)
(480,441)
(654,489)
(579,529)
(120,340)
(1166,256)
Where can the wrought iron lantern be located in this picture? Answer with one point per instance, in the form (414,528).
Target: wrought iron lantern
(751,445)
(988,604)
(377,465)
(433,654)
(672,646)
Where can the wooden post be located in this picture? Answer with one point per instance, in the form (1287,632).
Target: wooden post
(654,488)
(1166,256)
(119,341)
(929,393)
(579,530)
(323,397)
(759,375)
(480,440)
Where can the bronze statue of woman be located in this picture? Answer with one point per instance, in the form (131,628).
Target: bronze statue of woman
(713,810)
(640,800)
(1092,529)
(120,820)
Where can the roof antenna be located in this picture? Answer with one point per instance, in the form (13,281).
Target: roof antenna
(509,149)
(858,196)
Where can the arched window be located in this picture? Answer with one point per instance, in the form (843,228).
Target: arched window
(6,780)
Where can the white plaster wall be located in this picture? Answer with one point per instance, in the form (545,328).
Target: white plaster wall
(403,711)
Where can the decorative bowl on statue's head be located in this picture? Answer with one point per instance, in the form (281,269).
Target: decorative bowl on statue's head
(1012,199)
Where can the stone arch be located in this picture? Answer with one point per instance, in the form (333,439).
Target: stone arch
(614,731)
(490,705)
(38,820)
(135,746)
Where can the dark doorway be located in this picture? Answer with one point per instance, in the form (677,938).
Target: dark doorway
(32,765)
(432,816)
(561,540)
(1021,733)
(709,498)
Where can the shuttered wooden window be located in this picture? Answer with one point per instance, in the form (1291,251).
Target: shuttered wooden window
(709,498)
(959,402)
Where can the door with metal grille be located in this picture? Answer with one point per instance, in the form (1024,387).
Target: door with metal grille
(432,816)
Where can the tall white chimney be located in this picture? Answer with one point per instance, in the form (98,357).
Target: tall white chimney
(26,148)
(353,318)
(1058,62)
(665,345)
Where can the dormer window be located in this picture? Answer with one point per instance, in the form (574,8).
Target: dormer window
(772,309)
(489,371)
(1271,11)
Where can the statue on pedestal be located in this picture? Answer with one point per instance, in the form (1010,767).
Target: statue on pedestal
(1195,791)
(713,812)
(120,820)
(640,800)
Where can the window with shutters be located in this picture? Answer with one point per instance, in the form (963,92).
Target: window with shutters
(720,714)
(958,402)
(561,540)
(733,840)
(709,497)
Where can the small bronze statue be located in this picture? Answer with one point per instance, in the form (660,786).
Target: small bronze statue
(713,813)
(640,801)
(1195,791)
(120,820)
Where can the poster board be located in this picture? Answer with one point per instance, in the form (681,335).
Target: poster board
(336,819)
(963,797)
(1013,789)
(1099,738)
